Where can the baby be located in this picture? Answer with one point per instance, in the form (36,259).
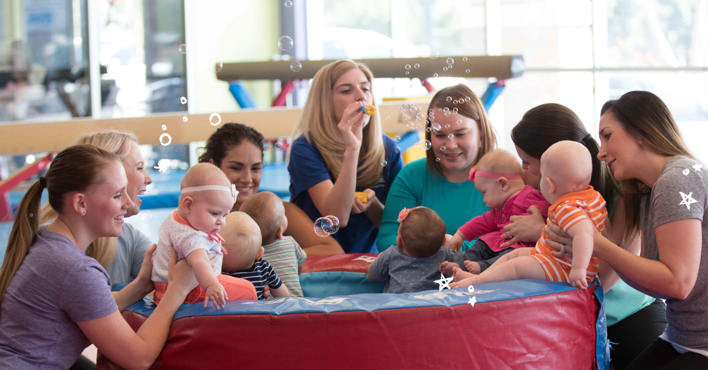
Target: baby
(282,252)
(243,260)
(498,177)
(193,231)
(412,265)
(566,168)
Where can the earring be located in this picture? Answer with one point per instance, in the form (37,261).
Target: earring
(83,213)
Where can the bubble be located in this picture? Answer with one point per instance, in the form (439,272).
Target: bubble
(464,59)
(397,138)
(468,99)
(436,127)
(450,61)
(467,70)
(183,100)
(446,109)
(444,68)
(388,118)
(185,119)
(435,75)
(408,72)
(215,65)
(295,66)
(326,226)
(416,66)
(428,129)
(288,4)
(459,121)
(410,125)
(169,139)
(183,49)
(425,145)
(437,159)
(447,113)
(397,150)
(218,116)
(384,163)
(434,55)
(285,43)
(443,148)
(407,67)
(451,136)
(454,111)
(448,99)
(145,217)
(419,117)
(449,66)
(447,125)
(31,214)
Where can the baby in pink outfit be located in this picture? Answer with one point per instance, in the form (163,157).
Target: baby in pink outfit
(498,177)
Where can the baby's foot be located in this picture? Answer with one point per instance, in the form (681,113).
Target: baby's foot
(464,282)
(447,267)
(473,267)
(458,274)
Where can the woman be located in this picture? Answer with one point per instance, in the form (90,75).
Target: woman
(121,256)
(441,180)
(336,152)
(238,150)
(665,198)
(634,320)
(54,300)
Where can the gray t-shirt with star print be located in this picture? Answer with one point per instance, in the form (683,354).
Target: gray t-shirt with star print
(681,192)
(404,274)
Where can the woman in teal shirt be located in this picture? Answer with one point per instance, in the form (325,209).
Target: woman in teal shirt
(634,319)
(440,181)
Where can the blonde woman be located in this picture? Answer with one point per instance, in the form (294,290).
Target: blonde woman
(339,150)
(121,256)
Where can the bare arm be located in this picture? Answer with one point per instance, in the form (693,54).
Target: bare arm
(374,212)
(199,260)
(138,288)
(674,274)
(301,228)
(337,199)
(582,234)
(282,291)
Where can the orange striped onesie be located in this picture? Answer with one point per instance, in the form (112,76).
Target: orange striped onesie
(566,212)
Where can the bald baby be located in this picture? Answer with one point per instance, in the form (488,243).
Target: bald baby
(200,175)
(242,240)
(268,212)
(499,161)
(565,167)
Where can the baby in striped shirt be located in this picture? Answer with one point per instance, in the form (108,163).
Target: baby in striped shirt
(566,169)
(242,240)
(282,252)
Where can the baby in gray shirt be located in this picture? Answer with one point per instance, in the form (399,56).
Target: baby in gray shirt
(413,265)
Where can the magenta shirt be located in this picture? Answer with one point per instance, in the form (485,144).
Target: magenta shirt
(490,225)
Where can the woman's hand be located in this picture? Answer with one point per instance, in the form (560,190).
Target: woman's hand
(524,229)
(180,274)
(358,206)
(352,125)
(144,278)
(561,241)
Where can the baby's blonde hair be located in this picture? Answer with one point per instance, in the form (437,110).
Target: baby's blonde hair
(499,161)
(242,240)
(203,174)
(267,210)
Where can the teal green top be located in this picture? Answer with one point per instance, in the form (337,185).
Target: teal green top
(456,203)
(622,300)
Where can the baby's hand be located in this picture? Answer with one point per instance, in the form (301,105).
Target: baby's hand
(577,278)
(455,242)
(447,267)
(473,267)
(217,295)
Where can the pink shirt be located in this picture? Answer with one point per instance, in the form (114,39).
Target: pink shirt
(490,225)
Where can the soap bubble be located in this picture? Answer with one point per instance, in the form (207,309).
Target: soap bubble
(434,55)
(436,126)
(464,59)
(169,139)
(425,145)
(428,129)
(418,117)
(448,99)
(444,68)
(451,136)
(449,66)
(410,125)
(185,119)
(397,150)
(419,126)
(450,61)
(467,70)
(145,217)
(454,111)
(326,226)
(215,65)
(459,121)
(164,127)
(388,118)
(416,66)
(285,43)
(447,125)
(183,49)
(408,72)
(397,138)
(443,148)
(384,163)
(288,4)
(218,117)
(437,160)
(295,66)
(183,100)
(435,75)
(407,67)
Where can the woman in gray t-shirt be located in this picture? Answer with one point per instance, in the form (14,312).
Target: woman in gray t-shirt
(666,197)
(54,300)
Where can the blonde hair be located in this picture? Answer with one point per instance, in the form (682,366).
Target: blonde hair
(473,109)
(242,239)
(319,124)
(73,170)
(103,249)
(266,209)
(499,161)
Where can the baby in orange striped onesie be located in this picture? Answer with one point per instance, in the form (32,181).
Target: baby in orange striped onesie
(566,168)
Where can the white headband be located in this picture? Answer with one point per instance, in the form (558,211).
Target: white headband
(232,189)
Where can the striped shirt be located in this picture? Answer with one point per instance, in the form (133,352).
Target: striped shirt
(285,256)
(259,275)
(565,212)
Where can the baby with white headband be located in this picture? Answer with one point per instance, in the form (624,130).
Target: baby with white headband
(206,198)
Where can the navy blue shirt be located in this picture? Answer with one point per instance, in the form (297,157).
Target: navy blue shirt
(260,274)
(307,168)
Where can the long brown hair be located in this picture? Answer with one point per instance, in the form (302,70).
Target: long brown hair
(471,108)
(116,142)
(647,119)
(318,120)
(73,170)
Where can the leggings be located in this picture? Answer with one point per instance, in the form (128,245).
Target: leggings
(636,332)
(661,355)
